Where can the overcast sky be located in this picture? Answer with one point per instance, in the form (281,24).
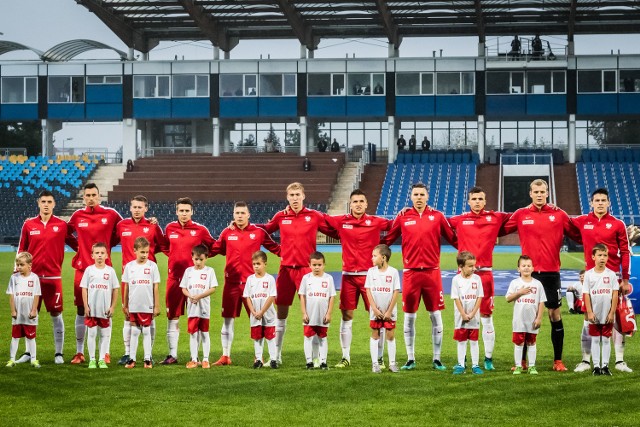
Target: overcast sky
(41,24)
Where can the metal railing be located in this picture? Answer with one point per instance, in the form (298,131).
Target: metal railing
(93,153)
(10,151)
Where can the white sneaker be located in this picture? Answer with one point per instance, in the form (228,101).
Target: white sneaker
(622,367)
(375,368)
(26,357)
(316,363)
(58,359)
(582,367)
(394,368)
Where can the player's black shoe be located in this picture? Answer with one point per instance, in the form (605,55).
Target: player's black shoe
(596,371)
(273,364)
(324,366)
(310,365)
(257,364)
(605,371)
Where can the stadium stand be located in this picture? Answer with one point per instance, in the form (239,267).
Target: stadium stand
(618,170)
(22,178)
(444,173)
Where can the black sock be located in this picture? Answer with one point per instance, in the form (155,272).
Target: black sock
(557,339)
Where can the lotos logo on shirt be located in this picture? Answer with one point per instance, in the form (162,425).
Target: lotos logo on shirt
(412,222)
(286,222)
(527,222)
(147,271)
(203,276)
(34,232)
(105,276)
(126,233)
(56,228)
(347,226)
(431,217)
(608,225)
(252,236)
(133,282)
(552,218)
(30,283)
(103,220)
(192,232)
(145,230)
(389,279)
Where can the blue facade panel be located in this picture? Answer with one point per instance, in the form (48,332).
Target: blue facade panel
(359,106)
(66,111)
(104,112)
(19,112)
(408,106)
(547,104)
(278,106)
(629,103)
(457,105)
(327,106)
(151,108)
(506,105)
(598,104)
(238,107)
(104,94)
(189,108)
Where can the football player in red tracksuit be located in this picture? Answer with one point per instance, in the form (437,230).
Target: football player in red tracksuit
(477,232)
(595,227)
(92,224)
(238,243)
(127,231)
(44,237)
(182,235)
(298,228)
(421,228)
(541,228)
(359,234)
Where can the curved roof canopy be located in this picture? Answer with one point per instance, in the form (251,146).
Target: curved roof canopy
(72,48)
(8,46)
(142,24)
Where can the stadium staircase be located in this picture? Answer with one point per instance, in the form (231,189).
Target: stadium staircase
(106,176)
(487,177)
(371,183)
(347,181)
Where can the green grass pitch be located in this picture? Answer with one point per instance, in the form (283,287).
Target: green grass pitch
(238,395)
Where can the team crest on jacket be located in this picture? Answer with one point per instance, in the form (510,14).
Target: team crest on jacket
(431,217)
(203,277)
(55,228)
(147,271)
(252,236)
(368,222)
(193,232)
(103,220)
(389,279)
(552,218)
(105,276)
(265,285)
(534,290)
(307,218)
(30,284)
(474,285)
(608,225)
(145,229)
(488,218)
(325,284)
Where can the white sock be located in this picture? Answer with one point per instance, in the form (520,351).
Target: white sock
(462,352)
(153,332)
(532,353)
(91,341)
(257,348)
(571,299)
(308,349)
(105,341)
(391,350)
(108,338)
(193,346)
(134,335)
(146,342)
(488,336)
(81,329)
(410,335)
(31,346)
(281,328)
(475,352)
(346,335)
(373,349)
(13,348)
(517,354)
(324,349)
(606,351)
(585,341)
(618,345)
(226,335)
(58,333)
(206,345)
(173,334)
(595,351)
(383,334)
(273,351)
(436,333)
(126,337)
(315,350)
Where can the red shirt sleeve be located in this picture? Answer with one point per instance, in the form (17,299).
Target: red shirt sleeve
(273,225)
(270,244)
(447,232)
(394,232)
(325,226)
(219,247)
(625,252)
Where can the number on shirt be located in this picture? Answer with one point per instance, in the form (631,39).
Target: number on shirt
(57,297)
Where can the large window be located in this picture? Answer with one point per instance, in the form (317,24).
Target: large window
(629,80)
(277,85)
(151,86)
(414,84)
(190,86)
(455,83)
(366,84)
(325,84)
(66,89)
(104,80)
(596,81)
(19,90)
(505,82)
(545,82)
(238,85)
